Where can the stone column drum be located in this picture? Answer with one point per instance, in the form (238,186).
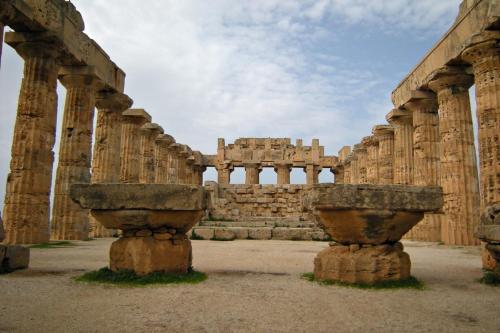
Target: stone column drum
(384,134)
(312,174)
(154,219)
(426,160)
(224,173)
(361,156)
(162,158)
(174,163)
(106,157)
(252,171)
(458,166)
(148,134)
(347,170)
(366,222)
(27,197)
(283,172)
(402,122)
(371,145)
(484,55)
(130,150)
(339,174)
(69,220)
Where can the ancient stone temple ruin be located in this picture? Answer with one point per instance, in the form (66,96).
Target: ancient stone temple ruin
(427,142)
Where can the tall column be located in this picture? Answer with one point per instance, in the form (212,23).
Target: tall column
(312,174)
(189,178)
(384,134)
(402,122)
(199,168)
(354,169)
(130,150)
(174,164)
(184,165)
(252,171)
(162,158)
(371,145)
(148,134)
(224,173)
(484,55)
(426,160)
(283,171)
(361,156)
(27,197)
(347,171)
(339,174)
(69,220)
(106,159)
(458,169)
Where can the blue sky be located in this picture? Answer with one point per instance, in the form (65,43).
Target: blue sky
(263,68)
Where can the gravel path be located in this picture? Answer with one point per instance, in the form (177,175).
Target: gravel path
(253,286)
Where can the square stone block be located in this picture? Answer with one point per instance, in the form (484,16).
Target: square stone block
(260,233)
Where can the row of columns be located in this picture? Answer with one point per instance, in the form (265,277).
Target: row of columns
(430,142)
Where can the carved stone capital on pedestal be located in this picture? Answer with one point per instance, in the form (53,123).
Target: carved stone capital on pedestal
(398,117)
(369,141)
(151,129)
(136,116)
(424,101)
(482,47)
(454,78)
(165,140)
(113,101)
(381,131)
(79,76)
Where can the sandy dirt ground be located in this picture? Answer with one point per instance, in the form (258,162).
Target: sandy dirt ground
(253,286)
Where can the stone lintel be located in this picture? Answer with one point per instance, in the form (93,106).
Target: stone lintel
(137,114)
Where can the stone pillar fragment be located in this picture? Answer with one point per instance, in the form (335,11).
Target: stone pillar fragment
(69,220)
(458,166)
(198,168)
(184,165)
(484,55)
(402,122)
(426,160)
(339,174)
(224,173)
(163,156)
(312,174)
(384,134)
(283,170)
(148,134)
(252,171)
(347,170)
(371,145)
(130,150)
(361,159)
(27,198)
(106,157)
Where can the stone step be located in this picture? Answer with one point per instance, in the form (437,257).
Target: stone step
(263,223)
(257,233)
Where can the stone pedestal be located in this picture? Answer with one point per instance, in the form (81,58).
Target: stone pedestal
(130,149)
(367,222)
(148,134)
(154,219)
(27,197)
(69,221)
(384,134)
(106,157)
(458,166)
(252,172)
(426,159)
(402,122)
(283,171)
(366,264)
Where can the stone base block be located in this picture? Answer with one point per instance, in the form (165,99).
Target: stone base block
(145,255)
(13,257)
(365,264)
(224,235)
(260,233)
(203,233)
(491,257)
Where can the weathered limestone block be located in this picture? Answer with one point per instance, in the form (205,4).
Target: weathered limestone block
(339,174)
(27,198)
(361,155)
(203,233)
(149,132)
(130,149)
(106,159)
(426,159)
(371,145)
(145,255)
(283,170)
(163,158)
(458,166)
(489,228)
(366,265)
(70,221)
(290,234)
(224,173)
(260,233)
(252,171)
(312,174)
(402,122)
(13,257)
(224,234)
(384,134)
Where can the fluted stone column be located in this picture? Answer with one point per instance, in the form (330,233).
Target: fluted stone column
(312,174)
(148,134)
(106,157)
(347,170)
(184,165)
(252,171)
(174,163)
(426,160)
(190,170)
(458,166)
(198,169)
(69,220)
(354,169)
(283,170)
(371,145)
(384,134)
(163,156)
(361,157)
(339,174)
(484,55)
(224,173)
(402,122)
(130,151)
(27,198)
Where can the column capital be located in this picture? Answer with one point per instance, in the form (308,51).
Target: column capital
(225,165)
(113,101)
(251,164)
(399,117)
(165,140)
(482,46)
(450,77)
(79,76)
(282,165)
(383,130)
(359,148)
(136,115)
(151,129)
(29,45)
(369,141)
(423,101)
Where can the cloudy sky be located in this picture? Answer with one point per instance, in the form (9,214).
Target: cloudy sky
(261,68)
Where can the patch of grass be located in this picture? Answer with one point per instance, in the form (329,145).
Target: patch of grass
(491,279)
(53,245)
(129,278)
(411,283)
